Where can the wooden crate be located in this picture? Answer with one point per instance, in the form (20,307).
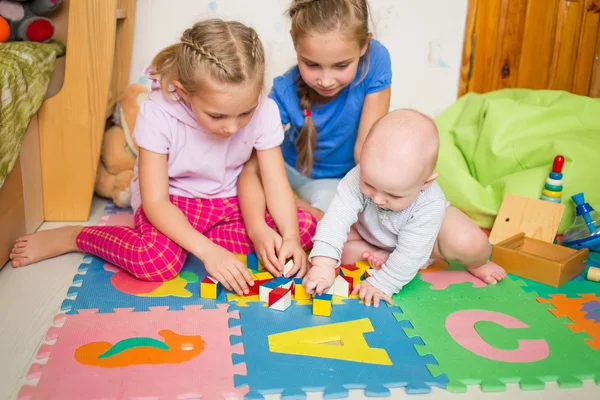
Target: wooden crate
(539,261)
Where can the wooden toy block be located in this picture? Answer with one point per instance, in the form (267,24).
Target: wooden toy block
(593,274)
(263,276)
(265,289)
(364,265)
(538,219)
(280,299)
(288,267)
(369,273)
(299,291)
(322,305)
(253,290)
(342,286)
(210,288)
(283,282)
(353,272)
(539,261)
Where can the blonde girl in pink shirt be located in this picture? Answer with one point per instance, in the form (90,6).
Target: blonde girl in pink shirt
(203,119)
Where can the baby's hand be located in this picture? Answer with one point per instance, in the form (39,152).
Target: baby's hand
(318,279)
(370,294)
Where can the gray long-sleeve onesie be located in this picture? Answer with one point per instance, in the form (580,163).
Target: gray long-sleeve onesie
(409,234)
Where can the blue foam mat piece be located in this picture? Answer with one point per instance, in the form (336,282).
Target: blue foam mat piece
(269,372)
(92,289)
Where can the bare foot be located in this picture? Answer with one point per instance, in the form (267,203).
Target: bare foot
(41,245)
(376,258)
(318,214)
(489,272)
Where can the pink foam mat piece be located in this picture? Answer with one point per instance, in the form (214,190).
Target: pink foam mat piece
(208,375)
(442,279)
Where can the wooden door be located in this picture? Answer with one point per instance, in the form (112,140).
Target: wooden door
(537,44)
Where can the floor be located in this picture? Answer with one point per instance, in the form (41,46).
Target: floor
(30,297)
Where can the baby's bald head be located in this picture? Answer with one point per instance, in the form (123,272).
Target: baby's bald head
(400,152)
(405,140)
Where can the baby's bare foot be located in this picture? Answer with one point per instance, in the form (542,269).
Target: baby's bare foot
(376,258)
(41,245)
(489,272)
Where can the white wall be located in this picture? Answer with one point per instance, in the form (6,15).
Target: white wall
(424,38)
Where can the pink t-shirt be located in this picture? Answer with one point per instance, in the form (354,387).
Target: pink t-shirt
(200,165)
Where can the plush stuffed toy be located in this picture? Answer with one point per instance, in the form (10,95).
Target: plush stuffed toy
(119,150)
(22,20)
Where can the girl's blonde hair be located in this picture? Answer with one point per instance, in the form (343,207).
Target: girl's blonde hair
(227,52)
(324,16)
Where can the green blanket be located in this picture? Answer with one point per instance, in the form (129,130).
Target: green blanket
(25,71)
(505,142)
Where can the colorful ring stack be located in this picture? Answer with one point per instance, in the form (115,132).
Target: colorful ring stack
(554,184)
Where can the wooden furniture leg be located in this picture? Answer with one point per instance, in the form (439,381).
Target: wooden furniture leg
(72,123)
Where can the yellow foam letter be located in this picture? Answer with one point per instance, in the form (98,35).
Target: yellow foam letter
(312,342)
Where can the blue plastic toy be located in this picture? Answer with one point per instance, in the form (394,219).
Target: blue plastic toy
(585,231)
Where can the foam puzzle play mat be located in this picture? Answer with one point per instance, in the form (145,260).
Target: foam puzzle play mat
(120,338)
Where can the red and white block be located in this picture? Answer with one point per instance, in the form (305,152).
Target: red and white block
(280,298)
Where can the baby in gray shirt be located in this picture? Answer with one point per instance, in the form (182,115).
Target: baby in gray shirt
(390,212)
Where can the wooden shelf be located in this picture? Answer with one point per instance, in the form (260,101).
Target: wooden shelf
(121,13)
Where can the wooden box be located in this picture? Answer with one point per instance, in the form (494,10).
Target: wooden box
(539,261)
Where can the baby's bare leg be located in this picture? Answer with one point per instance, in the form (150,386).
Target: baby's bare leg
(357,249)
(461,239)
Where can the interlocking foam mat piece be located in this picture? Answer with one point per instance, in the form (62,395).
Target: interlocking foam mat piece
(122,338)
(375,355)
(179,354)
(492,335)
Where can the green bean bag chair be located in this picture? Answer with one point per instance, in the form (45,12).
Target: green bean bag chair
(505,142)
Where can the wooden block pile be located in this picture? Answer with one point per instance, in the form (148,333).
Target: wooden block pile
(349,276)
(277,292)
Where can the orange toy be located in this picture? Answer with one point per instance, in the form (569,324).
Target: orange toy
(4,30)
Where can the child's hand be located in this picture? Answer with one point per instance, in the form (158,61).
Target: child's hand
(370,294)
(318,279)
(227,269)
(266,243)
(291,248)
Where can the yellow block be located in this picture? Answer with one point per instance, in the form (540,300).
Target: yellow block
(355,275)
(322,307)
(208,290)
(263,276)
(312,342)
(363,265)
(549,193)
(300,293)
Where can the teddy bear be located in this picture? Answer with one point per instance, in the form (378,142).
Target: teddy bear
(22,20)
(119,151)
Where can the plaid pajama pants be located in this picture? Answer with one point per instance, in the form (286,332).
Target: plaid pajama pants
(149,255)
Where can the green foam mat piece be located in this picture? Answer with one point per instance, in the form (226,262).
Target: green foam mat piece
(549,350)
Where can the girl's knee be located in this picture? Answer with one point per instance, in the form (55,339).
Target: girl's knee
(307,226)
(161,268)
(306,222)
